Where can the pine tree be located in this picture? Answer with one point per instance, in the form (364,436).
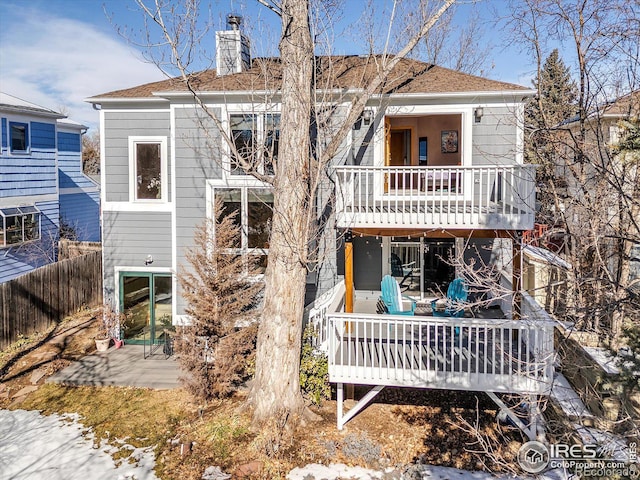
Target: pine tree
(557,94)
(554,103)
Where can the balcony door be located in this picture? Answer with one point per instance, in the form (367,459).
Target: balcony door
(399,155)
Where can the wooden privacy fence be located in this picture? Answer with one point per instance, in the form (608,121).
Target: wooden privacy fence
(32,302)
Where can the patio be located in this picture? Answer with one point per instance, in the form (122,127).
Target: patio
(125,367)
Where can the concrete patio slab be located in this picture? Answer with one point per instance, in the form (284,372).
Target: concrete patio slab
(126,366)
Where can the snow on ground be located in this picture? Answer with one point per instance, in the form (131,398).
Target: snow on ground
(339,471)
(59,447)
(36,447)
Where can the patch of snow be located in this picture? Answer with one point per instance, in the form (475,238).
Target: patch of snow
(215,473)
(338,471)
(58,447)
(611,446)
(604,358)
(544,255)
(333,471)
(568,399)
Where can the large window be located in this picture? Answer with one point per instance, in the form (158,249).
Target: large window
(148,168)
(19,225)
(256,139)
(19,137)
(254,213)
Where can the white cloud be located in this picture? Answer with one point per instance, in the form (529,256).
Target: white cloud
(57,62)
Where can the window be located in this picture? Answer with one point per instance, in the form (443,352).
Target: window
(256,139)
(253,207)
(19,225)
(19,137)
(148,169)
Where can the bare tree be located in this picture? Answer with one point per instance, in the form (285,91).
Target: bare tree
(91,153)
(591,200)
(458,47)
(314,124)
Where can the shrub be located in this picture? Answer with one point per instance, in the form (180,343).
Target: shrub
(314,370)
(223,304)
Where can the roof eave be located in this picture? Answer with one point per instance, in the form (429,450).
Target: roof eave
(31,111)
(103,100)
(162,96)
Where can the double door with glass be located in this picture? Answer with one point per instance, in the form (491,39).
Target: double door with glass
(146,299)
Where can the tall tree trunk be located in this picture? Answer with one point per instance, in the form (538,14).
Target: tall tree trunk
(275,394)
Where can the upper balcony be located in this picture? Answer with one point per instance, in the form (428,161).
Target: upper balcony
(461,197)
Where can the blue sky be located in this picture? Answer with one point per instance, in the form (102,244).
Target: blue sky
(56,53)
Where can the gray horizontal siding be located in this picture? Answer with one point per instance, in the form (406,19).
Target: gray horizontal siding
(494,138)
(119,126)
(128,237)
(198,158)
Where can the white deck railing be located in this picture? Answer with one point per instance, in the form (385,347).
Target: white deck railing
(315,314)
(489,197)
(449,353)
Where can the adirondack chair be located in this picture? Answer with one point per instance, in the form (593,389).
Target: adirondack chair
(392,297)
(456,296)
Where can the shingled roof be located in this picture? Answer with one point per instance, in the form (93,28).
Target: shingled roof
(624,106)
(336,72)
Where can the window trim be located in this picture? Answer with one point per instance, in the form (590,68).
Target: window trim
(33,210)
(27,138)
(164,183)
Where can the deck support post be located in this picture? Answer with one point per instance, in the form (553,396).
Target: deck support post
(530,431)
(348,272)
(364,401)
(516,280)
(340,400)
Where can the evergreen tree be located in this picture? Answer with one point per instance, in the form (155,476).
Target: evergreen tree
(554,103)
(557,94)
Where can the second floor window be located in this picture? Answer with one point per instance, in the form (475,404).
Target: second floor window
(19,137)
(256,138)
(148,169)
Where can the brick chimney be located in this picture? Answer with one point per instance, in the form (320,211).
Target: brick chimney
(232,48)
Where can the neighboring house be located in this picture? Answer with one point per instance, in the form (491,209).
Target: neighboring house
(79,193)
(602,130)
(434,165)
(41,186)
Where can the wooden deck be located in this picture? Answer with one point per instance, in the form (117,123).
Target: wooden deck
(129,366)
(446,353)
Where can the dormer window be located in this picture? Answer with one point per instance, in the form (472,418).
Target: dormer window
(19,225)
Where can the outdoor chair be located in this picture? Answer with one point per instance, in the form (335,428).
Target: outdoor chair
(401,270)
(454,303)
(392,297)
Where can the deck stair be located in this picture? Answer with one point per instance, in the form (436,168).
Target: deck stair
(566,398)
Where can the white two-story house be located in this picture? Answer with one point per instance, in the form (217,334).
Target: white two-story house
(434,164)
